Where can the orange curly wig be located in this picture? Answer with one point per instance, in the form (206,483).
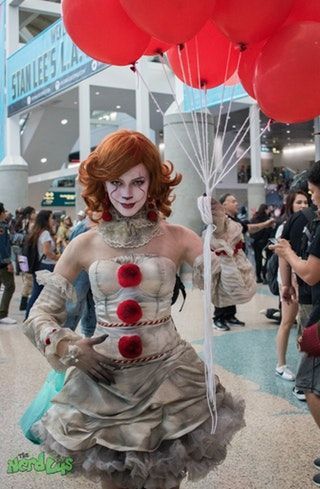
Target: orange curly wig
(118,153)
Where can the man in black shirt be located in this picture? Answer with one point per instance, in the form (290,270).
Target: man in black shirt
(224,317)
(308,376)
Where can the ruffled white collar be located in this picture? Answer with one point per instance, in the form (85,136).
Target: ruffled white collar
(129,232)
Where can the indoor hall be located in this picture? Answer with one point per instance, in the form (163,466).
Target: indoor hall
(276,449)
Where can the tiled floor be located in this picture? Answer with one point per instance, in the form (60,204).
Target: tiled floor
(274,451)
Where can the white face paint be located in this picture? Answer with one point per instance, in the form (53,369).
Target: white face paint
(129,192)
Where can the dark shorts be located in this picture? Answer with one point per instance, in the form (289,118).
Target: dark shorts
(308,376)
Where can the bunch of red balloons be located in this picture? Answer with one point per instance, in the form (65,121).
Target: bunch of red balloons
(275,44)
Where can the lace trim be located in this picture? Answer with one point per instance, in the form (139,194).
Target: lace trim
(129,232)
(45,277)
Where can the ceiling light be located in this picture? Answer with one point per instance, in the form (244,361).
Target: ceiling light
(43,160)
(234,126)
(75,102)
(118,107)
(288,131)
(97,93)
(64,121)
(299,148)
(158,110)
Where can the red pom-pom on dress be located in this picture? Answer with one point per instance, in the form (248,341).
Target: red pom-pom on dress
(129,311)
(130,346)
(129,275)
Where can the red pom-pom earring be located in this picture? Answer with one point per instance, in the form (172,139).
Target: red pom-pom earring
(106,214)
(152,213)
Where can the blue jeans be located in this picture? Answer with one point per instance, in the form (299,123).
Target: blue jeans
(36,288)
(84,309)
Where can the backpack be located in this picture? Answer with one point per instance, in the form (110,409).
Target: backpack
(272,274)
(29,259)
(179,287)
(308,232)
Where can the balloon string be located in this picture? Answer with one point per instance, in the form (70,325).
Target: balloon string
(171,126)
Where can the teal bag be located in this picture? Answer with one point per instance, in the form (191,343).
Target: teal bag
(41,403)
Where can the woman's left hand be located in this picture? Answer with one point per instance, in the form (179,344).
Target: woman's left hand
(282,248)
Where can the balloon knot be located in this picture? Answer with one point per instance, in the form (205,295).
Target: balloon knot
(133,67)
(159,52)
(203,83)
(181,46)
(242,46)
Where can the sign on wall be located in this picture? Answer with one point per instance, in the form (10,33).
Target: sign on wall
(48,64)
(193,99)
(2,79)
(59,198)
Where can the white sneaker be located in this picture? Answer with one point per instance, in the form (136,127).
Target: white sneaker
(8,320)
(285,373)
(302,397)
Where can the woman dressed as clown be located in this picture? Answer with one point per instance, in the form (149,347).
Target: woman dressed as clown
(133,411)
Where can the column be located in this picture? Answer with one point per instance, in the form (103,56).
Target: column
(13,168)
(84,134)
(256,184)
(185,210)
(142,102)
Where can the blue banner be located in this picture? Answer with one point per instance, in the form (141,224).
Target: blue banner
(2,80)
(194,99)
(47,65)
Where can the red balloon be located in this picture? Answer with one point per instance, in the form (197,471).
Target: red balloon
(305,10)
(287,77)
(247,66)
(104,31)
(156,47)
(172,21)
(204,58)
(246,21)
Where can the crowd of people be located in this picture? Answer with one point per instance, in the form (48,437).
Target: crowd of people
(118,282)
(44,231)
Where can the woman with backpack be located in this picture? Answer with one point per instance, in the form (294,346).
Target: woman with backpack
(296,201)
(42,245)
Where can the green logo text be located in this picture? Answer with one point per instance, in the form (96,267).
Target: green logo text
(49,465)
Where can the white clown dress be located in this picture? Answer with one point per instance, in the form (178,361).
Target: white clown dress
(151,428)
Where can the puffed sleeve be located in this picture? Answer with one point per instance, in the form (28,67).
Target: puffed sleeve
(44,324)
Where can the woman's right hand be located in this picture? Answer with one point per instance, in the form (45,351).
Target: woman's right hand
(93,363)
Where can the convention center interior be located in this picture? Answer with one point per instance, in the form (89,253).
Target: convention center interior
(159,244)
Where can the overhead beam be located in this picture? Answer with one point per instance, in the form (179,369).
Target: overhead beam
(15,3)
(26,34)
(28,20)
(41,7)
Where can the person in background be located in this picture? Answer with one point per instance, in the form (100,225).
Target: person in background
(260,240)
(81,216)
(28,220)
(16,235)
(308,269)
(41,236)
(83,309)
(224,317)
(295,202)
(6,269)
(63,233)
